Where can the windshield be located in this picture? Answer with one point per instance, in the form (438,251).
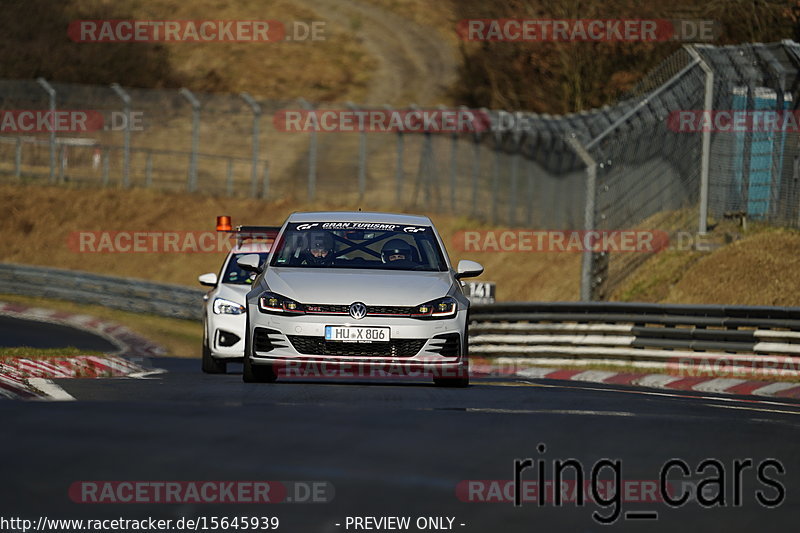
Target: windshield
(235,275)
(359,245)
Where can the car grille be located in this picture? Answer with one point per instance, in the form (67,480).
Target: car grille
(372,310)
(266,340)
(319,346)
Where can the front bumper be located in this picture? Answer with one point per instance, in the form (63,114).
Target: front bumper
(414,344)
(221,330)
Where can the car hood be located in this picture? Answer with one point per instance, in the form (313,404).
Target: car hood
(234,293)
(345,286)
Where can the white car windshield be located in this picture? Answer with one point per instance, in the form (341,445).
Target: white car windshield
(359,245)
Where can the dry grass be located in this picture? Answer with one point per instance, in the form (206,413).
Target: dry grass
(441,15)
(761,269)
(337,68)
(181,338)
(41,219)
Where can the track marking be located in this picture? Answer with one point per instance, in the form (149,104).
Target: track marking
(594,376)
(746,408)
(548,412)
(772,388)
(682,396)
(718,384)
(655,380)
(509,383)
(146,373)
(53,391)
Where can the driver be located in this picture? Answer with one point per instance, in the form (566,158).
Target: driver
(320,249)
(397,252)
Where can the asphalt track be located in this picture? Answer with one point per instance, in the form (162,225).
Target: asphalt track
(390,448)
(36,334)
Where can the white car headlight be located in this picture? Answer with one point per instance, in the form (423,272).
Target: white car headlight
(227,307)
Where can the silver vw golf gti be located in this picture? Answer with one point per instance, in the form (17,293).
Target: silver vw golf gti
(342,293)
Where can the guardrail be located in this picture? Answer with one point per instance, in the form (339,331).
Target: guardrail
(127,294)
(658,333)
(600,331)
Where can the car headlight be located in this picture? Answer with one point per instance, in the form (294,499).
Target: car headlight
(441,308)
(227,307)
(271,302)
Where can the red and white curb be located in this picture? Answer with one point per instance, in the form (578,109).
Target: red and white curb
(22,378)
(27,379)
(129,344)
(722,385)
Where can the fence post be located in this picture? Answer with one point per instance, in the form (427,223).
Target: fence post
(426,166)
(476,167)
(18,158)
(62,162)
(587,266)
(256,132)
(362,155)
(186,93)
(497,135)
(398,171)
(148,170)
(516,136)
(52,95)
(708,106)
(265,180)
(312,153)
(229,177)
(529,189)
(105,167)
(453,160)
(126,139)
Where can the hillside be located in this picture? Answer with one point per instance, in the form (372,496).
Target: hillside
(759,268)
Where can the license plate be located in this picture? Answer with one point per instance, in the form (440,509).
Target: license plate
(356,334)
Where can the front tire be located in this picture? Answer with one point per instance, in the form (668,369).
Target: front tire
(452,382)
(211,365)
(258,373)
(459,380)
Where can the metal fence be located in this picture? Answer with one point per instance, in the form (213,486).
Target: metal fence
(126,294)
(742,338)
(619,167)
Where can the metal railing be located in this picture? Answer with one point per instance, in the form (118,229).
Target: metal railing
(126,294)
(588,330)
(636,332)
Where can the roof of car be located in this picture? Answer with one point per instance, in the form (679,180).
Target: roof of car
(359,216)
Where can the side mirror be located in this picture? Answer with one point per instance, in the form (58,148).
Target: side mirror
(250,263)
(209,280)
(468,269)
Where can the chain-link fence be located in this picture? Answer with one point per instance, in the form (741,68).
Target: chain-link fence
(638,164)
(710,134)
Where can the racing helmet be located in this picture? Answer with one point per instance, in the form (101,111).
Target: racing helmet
(320,246)
(396,249)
